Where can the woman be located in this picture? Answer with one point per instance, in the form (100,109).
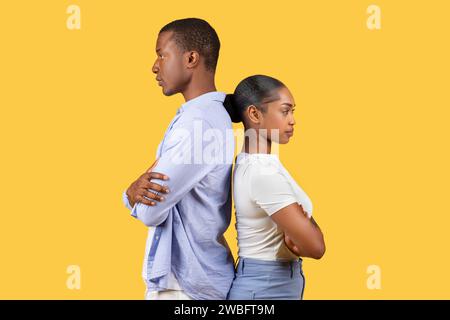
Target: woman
(273,214)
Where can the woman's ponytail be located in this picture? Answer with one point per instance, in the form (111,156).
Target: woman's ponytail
(232,108)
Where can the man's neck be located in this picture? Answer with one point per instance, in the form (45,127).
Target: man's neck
(198,86)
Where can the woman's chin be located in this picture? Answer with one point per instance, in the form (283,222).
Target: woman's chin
(281,141)
(285,140)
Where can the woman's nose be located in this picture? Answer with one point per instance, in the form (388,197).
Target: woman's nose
(292,122)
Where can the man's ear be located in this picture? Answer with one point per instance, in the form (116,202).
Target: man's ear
(253,114)
(192,59)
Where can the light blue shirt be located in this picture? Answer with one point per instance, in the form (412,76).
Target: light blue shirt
(196,154)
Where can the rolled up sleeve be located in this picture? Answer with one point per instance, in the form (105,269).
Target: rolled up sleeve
(125,200)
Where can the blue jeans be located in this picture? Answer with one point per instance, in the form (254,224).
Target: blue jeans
(276,280)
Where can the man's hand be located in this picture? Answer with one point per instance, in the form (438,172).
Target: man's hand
(140,188)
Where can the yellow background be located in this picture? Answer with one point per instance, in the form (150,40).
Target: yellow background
(81,117)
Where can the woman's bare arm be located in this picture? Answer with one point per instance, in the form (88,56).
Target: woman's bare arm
(304,232)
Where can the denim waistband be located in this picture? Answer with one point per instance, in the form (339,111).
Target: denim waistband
(250,265)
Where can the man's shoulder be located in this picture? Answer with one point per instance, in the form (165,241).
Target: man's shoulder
(211,116)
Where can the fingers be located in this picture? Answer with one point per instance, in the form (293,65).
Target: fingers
(146,186)
(153,175)
(291,245)
(287,239)
(154,196)
(148,197)
(145,194)
(293,248)
(142,200)
(155,187)
(157,175)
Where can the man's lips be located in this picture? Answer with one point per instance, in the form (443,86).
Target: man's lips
(159,81)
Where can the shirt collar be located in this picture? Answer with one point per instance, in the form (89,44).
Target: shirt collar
(209,96)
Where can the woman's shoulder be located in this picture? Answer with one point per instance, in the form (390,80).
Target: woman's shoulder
(260,167)
(258,160)
(268,177)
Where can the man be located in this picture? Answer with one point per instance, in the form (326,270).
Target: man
(188,207)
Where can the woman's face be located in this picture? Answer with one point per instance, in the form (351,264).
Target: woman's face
(279,115)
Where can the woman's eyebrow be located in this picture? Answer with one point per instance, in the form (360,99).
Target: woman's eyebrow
(288,104)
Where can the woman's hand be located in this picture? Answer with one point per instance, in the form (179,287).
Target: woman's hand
(291,246)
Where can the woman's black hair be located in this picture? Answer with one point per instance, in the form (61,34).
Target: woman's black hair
(255,90)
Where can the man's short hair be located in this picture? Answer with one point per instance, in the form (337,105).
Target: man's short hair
(196,35)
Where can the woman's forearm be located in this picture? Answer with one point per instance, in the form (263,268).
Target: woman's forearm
(315,248)
(304,232)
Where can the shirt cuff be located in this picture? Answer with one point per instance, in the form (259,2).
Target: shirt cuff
(125,200)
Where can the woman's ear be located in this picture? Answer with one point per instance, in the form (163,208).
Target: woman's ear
(253,114)
(192,59)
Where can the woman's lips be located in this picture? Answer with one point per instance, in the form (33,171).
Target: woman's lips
(290,133)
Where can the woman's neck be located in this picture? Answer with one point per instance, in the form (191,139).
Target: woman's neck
(261,145)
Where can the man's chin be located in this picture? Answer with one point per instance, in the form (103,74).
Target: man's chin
(168,93)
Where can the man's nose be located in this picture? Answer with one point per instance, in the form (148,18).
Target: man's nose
(155,67)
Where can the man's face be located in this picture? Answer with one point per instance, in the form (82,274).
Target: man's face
(169,67)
